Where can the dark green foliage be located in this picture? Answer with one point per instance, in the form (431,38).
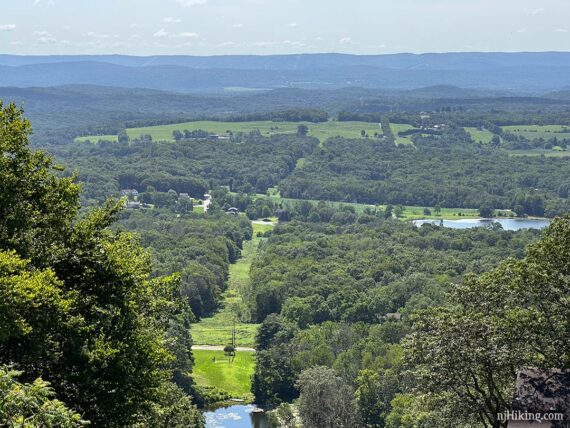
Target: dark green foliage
(200,247)
(252,164)
(339,295)
(514,316)
(326,401)
(33,405)
(360,272)
(434,172)
(82,311)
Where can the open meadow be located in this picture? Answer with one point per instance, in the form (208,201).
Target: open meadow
(321,131)
(214,369)
(480,135)
(533,132)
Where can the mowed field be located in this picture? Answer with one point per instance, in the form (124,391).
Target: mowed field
(410,212)
(533,132)
(547,153)
(214,369)
(480,135)
(321,131)
(217,330)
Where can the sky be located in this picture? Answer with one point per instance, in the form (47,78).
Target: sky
(220,27)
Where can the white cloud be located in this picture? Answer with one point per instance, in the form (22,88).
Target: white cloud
(7,27)
(293,43)
(100,36)
(46,40)
(227,44)
(49,2)
(536,11)
(521,30)
(190,3)
(161,33)
(561,30)
(237,26)
(292,24)
(184,35)
(171,20)
(187,35)
(346,41)
(135,25)
(42,33)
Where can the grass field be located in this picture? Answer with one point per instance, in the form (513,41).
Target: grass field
(322,131)
(482,136)
(398,127)
(217,330)
(410,212)
(547,153)
(533,132)
(213,368)
(415,213)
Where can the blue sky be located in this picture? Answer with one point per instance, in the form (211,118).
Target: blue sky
(212,27)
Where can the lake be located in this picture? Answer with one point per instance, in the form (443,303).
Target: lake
(507,223)
(238,416)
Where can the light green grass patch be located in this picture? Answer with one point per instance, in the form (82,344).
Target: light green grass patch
(214,369)
(416,213)
(533,132)
(97,138)
(321,131)
(547,153)
(401,127)
(217,330)
(480,135)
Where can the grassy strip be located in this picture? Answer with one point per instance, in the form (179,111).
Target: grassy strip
(217,330)
(214,369)
(321,131)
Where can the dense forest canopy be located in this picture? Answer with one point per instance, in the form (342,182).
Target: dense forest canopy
(371,312)
(377,316)
(80,309)
(250,163)
(433,171)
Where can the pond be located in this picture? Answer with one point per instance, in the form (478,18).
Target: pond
(238,416)
(507,223)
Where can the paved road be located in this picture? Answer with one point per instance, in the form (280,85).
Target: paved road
(219,348)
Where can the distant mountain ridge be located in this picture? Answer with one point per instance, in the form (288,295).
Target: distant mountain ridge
(525,73)
(428,61)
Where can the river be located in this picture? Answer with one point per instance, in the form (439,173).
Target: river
(507,223)
(238,416)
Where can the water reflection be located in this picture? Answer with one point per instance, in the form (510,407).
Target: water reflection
(239,416)
(506,223)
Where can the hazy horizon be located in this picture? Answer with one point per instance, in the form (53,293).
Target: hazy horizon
(269,27)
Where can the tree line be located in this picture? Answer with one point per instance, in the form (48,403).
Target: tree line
(447,170)
(80,307)
(336,301)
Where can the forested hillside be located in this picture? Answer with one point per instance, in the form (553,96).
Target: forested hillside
(199,247)
(80,308)
(249,163)
(448,169)
(376,316)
